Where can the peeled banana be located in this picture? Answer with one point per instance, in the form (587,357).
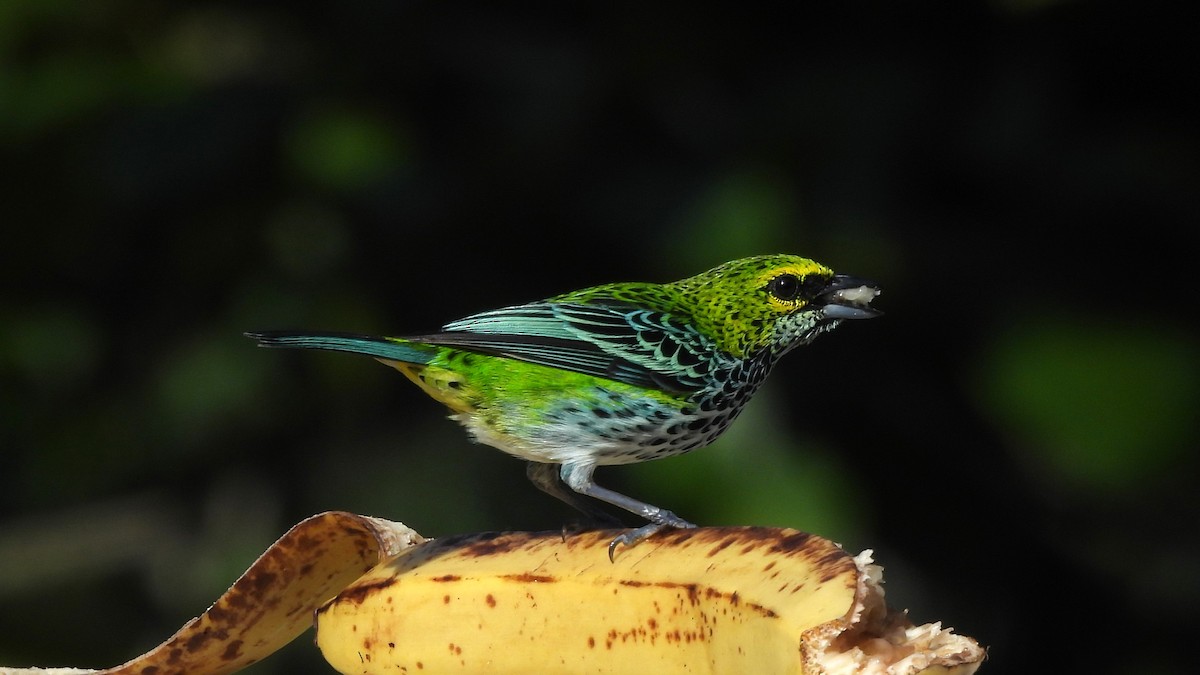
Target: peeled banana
(709,600)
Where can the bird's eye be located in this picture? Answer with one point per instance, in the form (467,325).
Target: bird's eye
(785,287)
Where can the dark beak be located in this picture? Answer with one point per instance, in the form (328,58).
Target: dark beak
(848,297)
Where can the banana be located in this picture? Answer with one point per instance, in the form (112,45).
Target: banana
(708,600)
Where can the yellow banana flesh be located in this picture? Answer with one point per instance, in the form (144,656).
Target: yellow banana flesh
(708,600)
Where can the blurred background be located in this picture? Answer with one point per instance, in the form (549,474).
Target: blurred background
(1016,439)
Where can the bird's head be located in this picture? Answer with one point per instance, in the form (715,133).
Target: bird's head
(774,301)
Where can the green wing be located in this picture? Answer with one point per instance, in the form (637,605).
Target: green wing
(614,340)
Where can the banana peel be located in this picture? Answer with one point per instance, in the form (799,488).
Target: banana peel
(272,602)
(707,600)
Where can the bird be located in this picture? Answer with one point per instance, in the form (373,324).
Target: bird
(617,373)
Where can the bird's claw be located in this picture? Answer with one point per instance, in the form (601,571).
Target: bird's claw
(632,537)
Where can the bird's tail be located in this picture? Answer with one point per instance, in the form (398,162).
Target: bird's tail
(388,349)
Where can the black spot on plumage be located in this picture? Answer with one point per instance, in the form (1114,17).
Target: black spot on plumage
(813,285)
(686,357)
(668,348)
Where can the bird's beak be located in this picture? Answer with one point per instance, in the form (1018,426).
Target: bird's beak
(848,297)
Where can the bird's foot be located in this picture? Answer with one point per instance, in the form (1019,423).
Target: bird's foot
(629,538)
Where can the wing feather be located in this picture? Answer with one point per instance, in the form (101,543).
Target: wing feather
(615,340)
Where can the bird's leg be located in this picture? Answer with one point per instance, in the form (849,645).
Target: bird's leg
(578,477)
(548,479)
